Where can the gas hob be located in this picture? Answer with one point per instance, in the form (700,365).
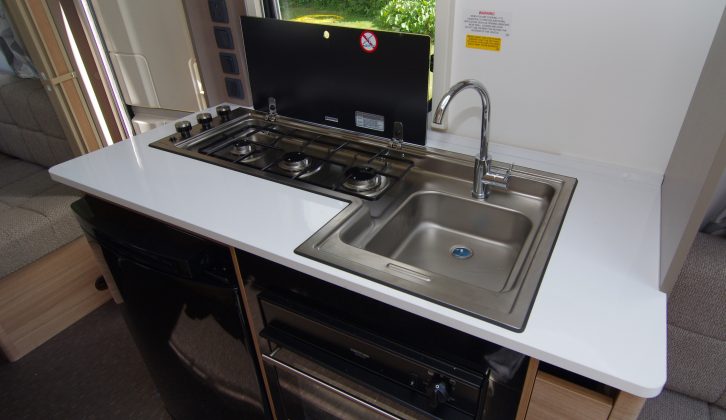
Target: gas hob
(289,152)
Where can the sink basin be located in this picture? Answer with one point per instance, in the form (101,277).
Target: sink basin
(428,237)
(463,239)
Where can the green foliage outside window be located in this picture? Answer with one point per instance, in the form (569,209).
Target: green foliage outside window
(414,16)
(355,7)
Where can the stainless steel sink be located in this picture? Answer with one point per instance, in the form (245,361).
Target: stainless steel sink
(427,236)
(454,237)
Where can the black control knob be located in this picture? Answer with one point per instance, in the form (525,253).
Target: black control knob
(205,119)
(223,111)
(437,393)
(184,128)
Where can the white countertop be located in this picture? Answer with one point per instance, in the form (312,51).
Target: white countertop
(598,311)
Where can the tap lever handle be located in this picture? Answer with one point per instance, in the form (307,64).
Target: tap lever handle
(498,176)
(504,170)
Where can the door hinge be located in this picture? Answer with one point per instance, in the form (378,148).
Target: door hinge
(49,83)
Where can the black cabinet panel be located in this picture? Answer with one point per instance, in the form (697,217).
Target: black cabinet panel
(331,75)
(182,305)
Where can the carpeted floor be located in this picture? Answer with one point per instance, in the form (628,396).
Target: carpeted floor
(92,370)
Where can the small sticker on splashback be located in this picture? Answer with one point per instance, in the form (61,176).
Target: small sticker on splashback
(490,43)
(368,41)
(487,29)
(369,121)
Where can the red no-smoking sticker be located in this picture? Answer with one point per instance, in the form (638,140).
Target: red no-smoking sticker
(368,41)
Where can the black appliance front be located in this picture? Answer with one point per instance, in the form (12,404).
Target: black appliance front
(181,303)
(329,351)
(347,78)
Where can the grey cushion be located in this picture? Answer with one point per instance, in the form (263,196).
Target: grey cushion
(671,405)
(717,413)
(55,205)
(41,107)
(12,170)
(16,96)
(25,236)
(20,191)
(722,400)
(696,364)
(46,150)
(698,298)
(697,323)
(29,127)
(11,140)
(35,214)
(696,337)
(4,112)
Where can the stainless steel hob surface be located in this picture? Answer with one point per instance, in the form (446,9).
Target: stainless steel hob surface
(292,154)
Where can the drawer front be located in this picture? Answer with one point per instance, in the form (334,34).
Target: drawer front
(557,399)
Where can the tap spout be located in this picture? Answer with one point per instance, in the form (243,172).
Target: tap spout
(482,164)
(486,110)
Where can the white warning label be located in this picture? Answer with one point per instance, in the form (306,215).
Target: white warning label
(369,121)
(488,22)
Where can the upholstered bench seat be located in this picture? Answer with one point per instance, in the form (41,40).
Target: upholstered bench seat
(47,269)
(35,214)
(696,386)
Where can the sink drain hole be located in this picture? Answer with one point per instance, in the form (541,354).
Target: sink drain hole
(461,252)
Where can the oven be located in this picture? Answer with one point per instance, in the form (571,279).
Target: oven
(330,353)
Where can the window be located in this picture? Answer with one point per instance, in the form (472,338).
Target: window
(413,16)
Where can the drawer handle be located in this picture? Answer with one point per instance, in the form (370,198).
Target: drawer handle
(331,388)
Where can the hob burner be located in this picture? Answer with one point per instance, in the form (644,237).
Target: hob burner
(362,178)
(241,147)
(294,161)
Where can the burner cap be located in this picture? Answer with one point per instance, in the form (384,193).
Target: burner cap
(361,173)
(241,147)
(361,178)
(294,157)
(294,161)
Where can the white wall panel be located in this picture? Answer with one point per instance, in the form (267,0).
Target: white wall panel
(151,52)
(603,80)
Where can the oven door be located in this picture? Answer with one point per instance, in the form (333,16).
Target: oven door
(303,389)
(310,380)
(300,395)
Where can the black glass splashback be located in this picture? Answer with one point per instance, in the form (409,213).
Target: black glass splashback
(341,77)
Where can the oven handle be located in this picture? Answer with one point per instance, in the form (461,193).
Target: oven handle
(325,385)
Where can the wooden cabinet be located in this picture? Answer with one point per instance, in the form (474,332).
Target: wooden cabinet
(45,297)
(547,396)
(554,398)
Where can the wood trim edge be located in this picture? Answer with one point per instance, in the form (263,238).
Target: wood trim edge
(626,407)
(255,340)
(532,368)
